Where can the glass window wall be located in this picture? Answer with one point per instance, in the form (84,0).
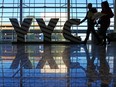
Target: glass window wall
(45,9)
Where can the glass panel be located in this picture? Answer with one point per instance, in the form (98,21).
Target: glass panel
(45,9)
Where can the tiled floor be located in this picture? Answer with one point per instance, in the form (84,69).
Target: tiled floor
(57,65)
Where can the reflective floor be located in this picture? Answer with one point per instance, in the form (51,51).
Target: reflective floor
(57,65)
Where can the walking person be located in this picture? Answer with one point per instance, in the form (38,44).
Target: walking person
(104,21)
(90,23)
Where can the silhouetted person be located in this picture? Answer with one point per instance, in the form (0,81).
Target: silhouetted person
(105,20)
(90,23)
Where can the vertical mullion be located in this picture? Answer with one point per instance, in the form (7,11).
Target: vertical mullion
(114,15)
(68,8)
(76,15)
(21,10)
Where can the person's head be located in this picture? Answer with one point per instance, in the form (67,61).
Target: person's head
(105,5)
(89,6)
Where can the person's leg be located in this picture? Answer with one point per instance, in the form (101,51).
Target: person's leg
(103,31)
(104,37)
(87,36)
(108,39)
(103,34)
(96,35)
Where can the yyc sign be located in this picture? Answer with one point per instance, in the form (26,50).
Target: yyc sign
(47,30)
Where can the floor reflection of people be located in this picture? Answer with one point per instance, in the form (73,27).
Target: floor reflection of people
(91,72)
(111,51)
(104,69)
(103,73)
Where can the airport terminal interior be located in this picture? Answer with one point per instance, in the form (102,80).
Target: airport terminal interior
(58,63)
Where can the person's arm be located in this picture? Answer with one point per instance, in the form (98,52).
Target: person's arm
(84,18)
